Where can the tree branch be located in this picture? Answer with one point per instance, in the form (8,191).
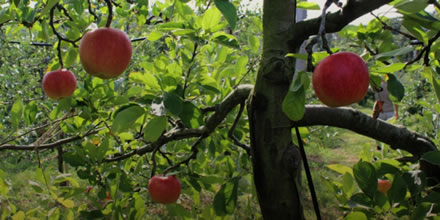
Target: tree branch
(239,95)
(334,21)
(396,136)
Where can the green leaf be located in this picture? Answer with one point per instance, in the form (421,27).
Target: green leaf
(432,157)
(396,52)
(229,12)
(211,18)
(421,211)
(294,104)
(365,176)
(395,88)
(411,6)
(71,57)
(125,118)
(398,190)
(225,39)
(356,216)
(50,4)
(308,5)
(18,216)
(347,184)
(389,68)
(66,203)
(173,103)
(178,210)
(433,197)
(154,128)
(340,168)
(155,35)
(434,81)
(16,113)
(226,198)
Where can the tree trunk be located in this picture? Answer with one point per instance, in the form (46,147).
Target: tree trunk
(276,160)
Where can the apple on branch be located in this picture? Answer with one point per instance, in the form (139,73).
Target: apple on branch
(164,189)
(341,79)
(105,52)
(59,83)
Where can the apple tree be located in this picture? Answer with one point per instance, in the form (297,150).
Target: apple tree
(212,96)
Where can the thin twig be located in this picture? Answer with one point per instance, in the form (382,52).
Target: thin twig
(194,150)
(59,36)
(231,131)
(250,68)
(188,72)
(91,11)
(388,27)
(321,34)
(110,13)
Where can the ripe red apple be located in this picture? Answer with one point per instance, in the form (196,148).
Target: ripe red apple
(341,79)
(59,84)
(164,189)
(383,185)
(105,52)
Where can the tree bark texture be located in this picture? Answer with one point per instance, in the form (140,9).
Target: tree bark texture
(276,160)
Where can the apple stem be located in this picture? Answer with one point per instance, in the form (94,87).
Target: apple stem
(110,13)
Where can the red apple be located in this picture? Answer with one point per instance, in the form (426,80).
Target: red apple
(59,84)
(164,189)
(105,52)
(341,79)
(383,185)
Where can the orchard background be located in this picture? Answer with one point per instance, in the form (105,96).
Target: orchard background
(212,96)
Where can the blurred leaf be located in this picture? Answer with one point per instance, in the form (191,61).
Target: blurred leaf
(435,82)
(211,18)
(340,168)
(411,6)
(228,10)
(396,52)
(389,68)
(173,103)
(294,104)
(125,118)
(50,4)
(155,128)
(432,157)
(365,176)
(226,198)
(16,113)
(395,88)
(398,189)
(347,184)
(308,5)
(421,211)
(18,216)
(225,39)
(178,210)
(432,197)
(356,216)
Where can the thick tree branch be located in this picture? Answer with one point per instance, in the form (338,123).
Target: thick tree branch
(239,95)
(397,137)
(334,21)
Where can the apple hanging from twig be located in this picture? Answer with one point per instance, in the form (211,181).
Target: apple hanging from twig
(164,189)
(105,52)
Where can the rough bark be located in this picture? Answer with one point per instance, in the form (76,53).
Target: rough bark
(275,160)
